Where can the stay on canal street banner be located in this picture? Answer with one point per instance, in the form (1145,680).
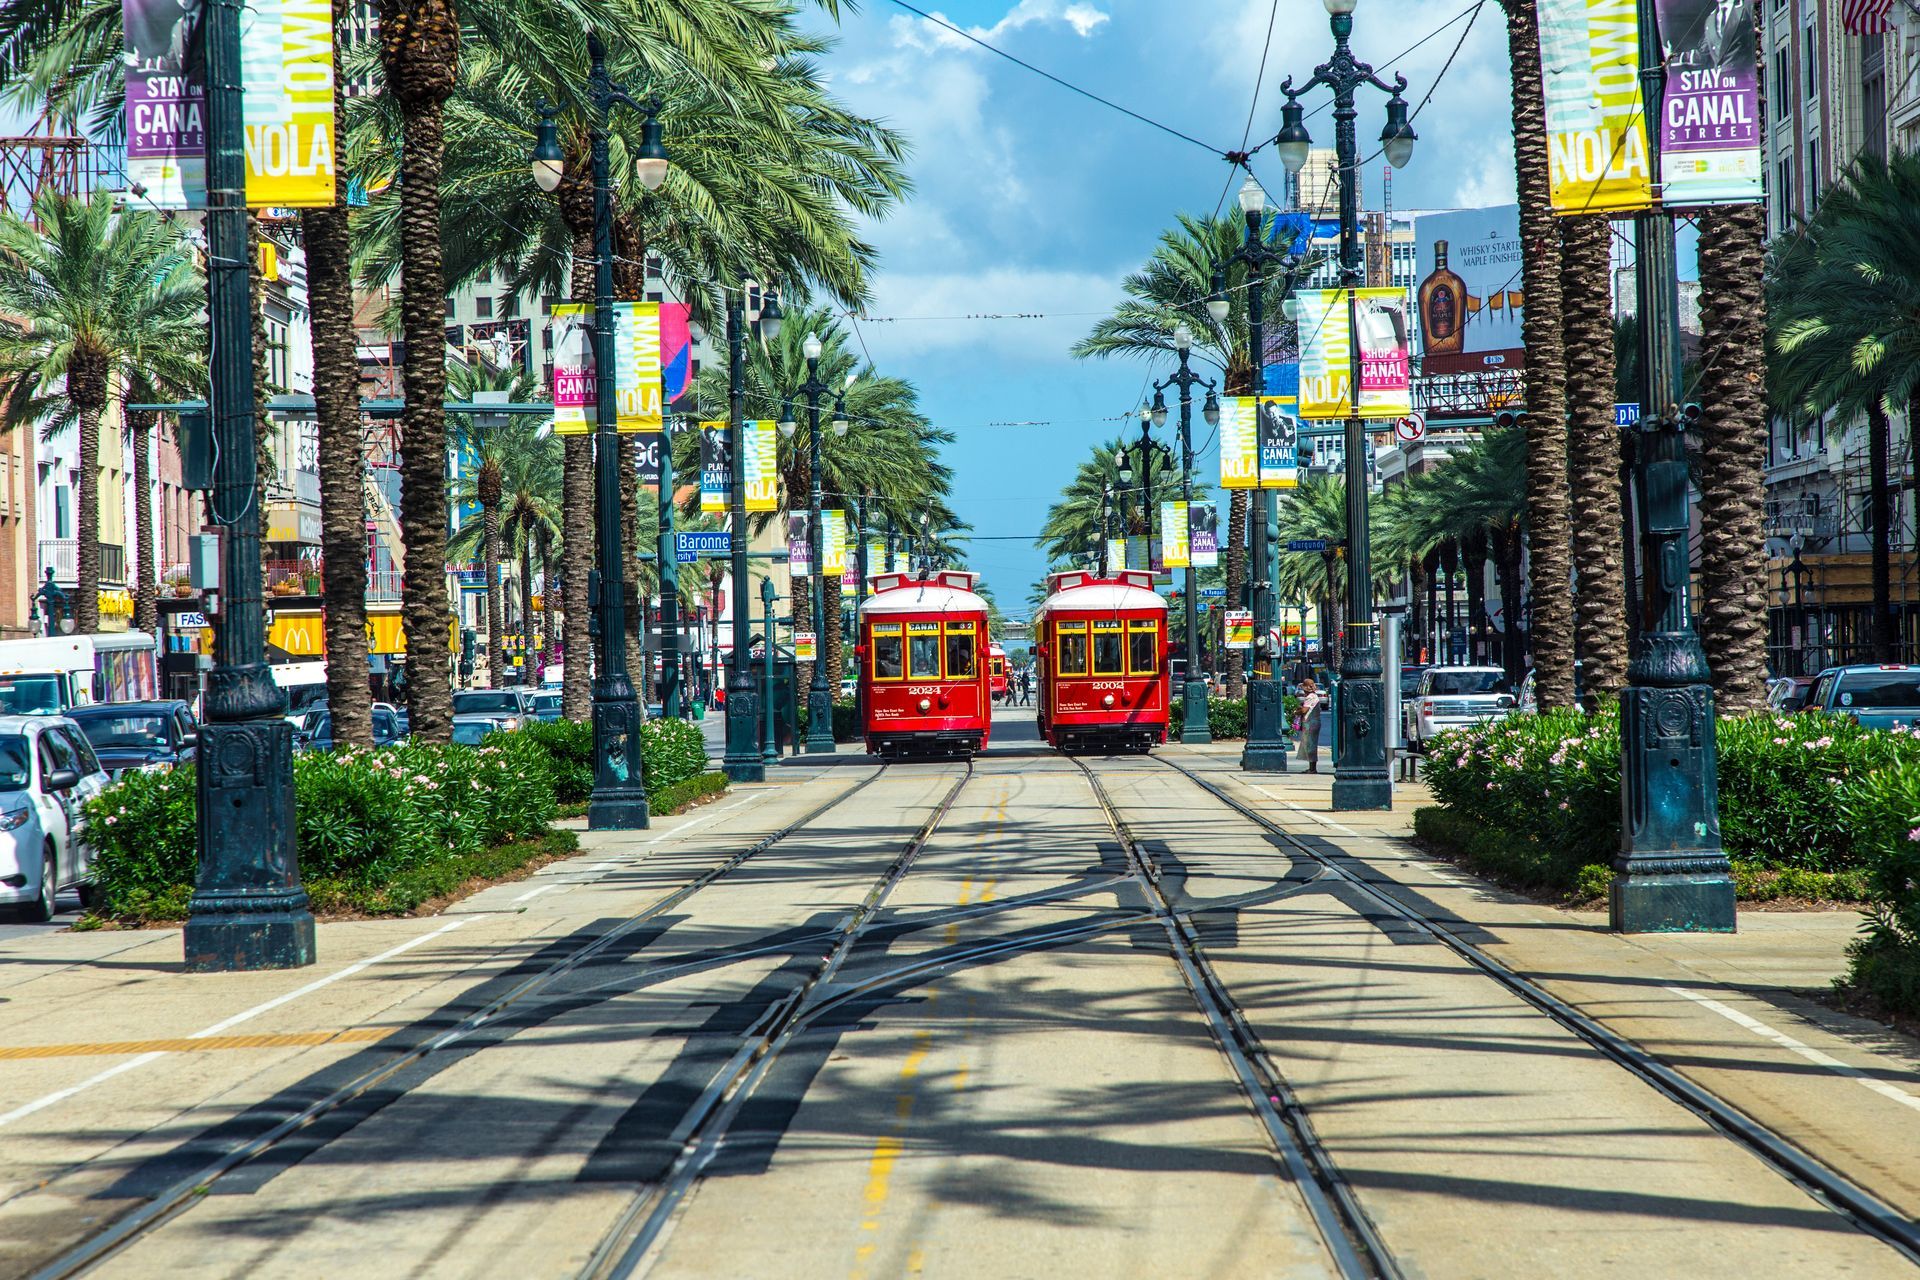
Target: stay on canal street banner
(287,102)
(1710,119)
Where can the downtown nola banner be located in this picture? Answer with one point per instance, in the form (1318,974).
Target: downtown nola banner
(286,70)
(763,475)
(833,543)
(1175,552)
(1327,319)
(1597,139)
(1259,443)
(716,466)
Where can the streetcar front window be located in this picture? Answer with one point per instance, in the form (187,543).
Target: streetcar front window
(923,650)
(1072,638)
(888,650)
(1143,649)
(1109,649)
(960,653)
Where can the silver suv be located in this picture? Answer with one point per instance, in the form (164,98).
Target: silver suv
(1454,697)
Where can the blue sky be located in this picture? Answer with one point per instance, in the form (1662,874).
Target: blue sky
(1033,200)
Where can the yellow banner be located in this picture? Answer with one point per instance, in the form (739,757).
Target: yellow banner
(287,72)
(833,537)
(763,465)
(1173,535)
(1328,319)
(1596,125)
(636,368)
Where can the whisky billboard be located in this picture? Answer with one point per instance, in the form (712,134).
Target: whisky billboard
(1469,301)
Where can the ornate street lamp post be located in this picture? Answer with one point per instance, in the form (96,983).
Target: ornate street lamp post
(819,697)
(1361,779)
(769,749)
(743,761)
(619,799)
(248,909)
(1193,726)
(1266,746)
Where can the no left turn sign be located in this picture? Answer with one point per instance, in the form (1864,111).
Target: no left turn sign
(1410,429)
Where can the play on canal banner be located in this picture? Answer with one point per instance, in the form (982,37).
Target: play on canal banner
(799,550)
(763,474)
(574,394)
(1596,131)
(1203,535)
(1328,319)
(716,466)
(286,71)
(833,543)
(1239,629)
(1174,551)
(1710,116)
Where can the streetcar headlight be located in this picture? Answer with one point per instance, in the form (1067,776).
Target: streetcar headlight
(925,706)
(1107,701)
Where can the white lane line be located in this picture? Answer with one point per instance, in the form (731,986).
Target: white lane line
(61,1095)
(701,821)
(534,893)
(1325,822)
(1807,1051)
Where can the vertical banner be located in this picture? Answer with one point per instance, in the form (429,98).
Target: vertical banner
(1596,130)
(799,550)
(1469,299)
(1239,445)
(1116,556)
(287,102)
(763,474)
(716,466)
(833,543)
(1279,436)
(676,350)
(1174,548)
(648,450)
(636,367)
(1710,118)
(1327,321)
(877,557)
(1203,536)
(1259,443)
(574,391)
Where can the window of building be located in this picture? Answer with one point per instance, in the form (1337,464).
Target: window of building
(1810,59)
(1780,82)
(654,295)
(1143,648)
(483,305)
(513,305)
(449,306)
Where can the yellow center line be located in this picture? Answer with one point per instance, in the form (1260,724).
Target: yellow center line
(116,1048)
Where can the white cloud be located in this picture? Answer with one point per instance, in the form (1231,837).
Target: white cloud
(918,33)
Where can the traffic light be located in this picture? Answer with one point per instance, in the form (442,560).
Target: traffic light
(1506,418)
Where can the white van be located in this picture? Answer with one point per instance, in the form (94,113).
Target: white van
(47,675)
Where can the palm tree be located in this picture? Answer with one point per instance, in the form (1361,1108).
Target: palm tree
(1548,526)
(491,446)
(1317,508)
(95,298)
(1171,289)
(1600,603)
(1844,298)
(144,575)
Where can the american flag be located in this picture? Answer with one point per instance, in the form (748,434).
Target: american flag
(1866,17)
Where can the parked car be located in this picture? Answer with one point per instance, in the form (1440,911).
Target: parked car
(1410,673)
(1788,694)
(146,737)
(317,735)
(470,730)
(47,774)
(1454,697)
(546,704)
(1530,694)
(509,708)
(1877,697)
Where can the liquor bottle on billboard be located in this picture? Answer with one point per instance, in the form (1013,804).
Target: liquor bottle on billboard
(1443,306)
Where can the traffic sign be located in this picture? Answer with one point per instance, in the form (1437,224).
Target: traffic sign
(1411,429)
(1307,544)
(701,544)
(1625,415)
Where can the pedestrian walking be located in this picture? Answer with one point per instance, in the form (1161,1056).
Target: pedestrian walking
(1312,702)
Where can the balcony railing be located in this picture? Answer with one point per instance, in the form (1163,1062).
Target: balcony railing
(383,584)
(62,555)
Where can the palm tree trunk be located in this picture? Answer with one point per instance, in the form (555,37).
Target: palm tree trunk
(1879,521)
(1733,434)
(830,643)
(420,46)
(1416,603)
(576,521)
(87,387)
(1234,660)
(145,577)
(1506,560)
(1548,529)
(341,459)
(1593,450)
(496,597)
(528,654)
(1431,563)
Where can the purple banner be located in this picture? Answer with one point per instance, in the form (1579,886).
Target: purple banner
(166,114)
(1710,119)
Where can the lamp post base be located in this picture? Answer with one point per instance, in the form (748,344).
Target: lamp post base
(1193,723)
(618,809)
(237,933)
(820,723)
(248,910)
(1360,777)
(743,762)
(1658,902)
(1266,749)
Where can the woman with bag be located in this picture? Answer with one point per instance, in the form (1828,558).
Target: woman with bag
(1312,702)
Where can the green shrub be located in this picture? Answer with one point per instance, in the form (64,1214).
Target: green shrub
(671,751)
(672,799)
(569,748)
(846,719)
(1784,782)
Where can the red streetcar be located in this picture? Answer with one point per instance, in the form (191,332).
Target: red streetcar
(997,671)
(923,667)
(1101,646)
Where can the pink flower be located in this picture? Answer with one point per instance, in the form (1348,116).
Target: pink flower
(112,821)
(1564,805)
(1489,786)
(1913,835)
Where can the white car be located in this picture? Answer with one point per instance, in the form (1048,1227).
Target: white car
(47,774)
(1454,697)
